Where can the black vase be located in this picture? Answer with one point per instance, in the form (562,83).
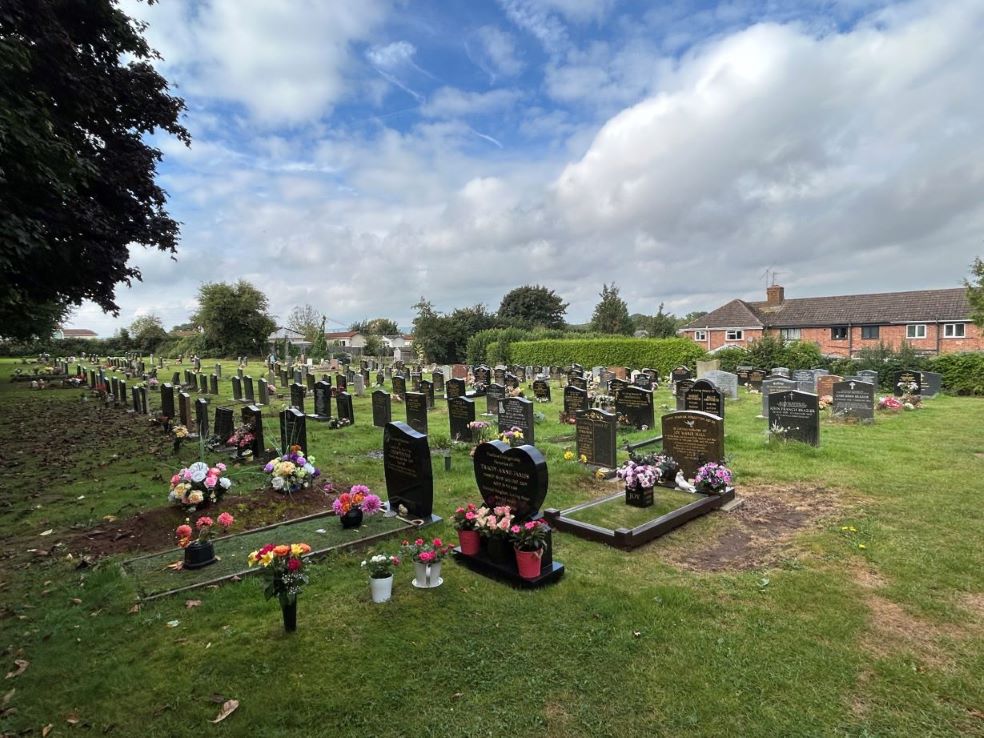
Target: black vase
(199,555)
(499,550)
(352,519)
(289,610)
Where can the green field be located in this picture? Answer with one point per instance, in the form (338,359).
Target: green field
(843,599)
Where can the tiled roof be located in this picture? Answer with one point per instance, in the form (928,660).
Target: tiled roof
(77,332)
(341,334)
(735,314)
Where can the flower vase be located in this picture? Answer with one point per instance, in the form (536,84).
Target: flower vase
(427,576)
(498,550)
(469,541)
(528,563)
(352,519)
(381,589)
(641,497)
(198,555)
(289,610)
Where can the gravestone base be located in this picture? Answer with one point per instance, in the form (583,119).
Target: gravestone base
(507,573)
(733,505)
(318,418)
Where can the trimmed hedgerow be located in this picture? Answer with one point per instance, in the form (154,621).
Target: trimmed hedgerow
(963,373)
(661,354)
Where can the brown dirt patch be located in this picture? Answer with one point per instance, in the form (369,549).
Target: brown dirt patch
(892,629)
(762,530)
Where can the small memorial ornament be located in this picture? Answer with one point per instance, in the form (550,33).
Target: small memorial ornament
(427,557)
(639,480)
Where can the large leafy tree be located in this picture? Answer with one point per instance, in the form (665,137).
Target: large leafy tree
(147,332)
(660,325)
(78,97)
(234,318)
(975,292)
(307,321)
(376,326)
(532,306)
(611,315)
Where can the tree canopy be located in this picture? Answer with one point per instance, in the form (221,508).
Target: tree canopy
(532,306)
(78,97)
(376,326)
(611,315)
(233,318)
(305,320)
(975,292)
(147,333)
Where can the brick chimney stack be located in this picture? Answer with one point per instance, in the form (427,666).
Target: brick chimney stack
(774,295)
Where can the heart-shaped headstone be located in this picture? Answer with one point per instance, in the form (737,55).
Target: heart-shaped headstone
(511,476)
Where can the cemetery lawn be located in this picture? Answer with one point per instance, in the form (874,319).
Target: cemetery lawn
(844,599)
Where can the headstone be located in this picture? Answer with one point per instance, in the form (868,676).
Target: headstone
(870,375)
(293,429)
(780,371)
(516,477)
(415,378)
(143,408)
(201,417)
(224,427)
(360,385)
(461,412)
(123,392)
(704,397)
(680,390)
(213,384)
(707,366)
(724,381)
(407,467)
(499,375)
(575,399)
(249,390)
(595,436)
(264,389)
(643,380)
(825,384)
(310,379)
(218,371)
(907,381)
(437,379)
(416,407)
(399,386)
(382,408)
(693,439)
(795,416)
(854,400)
(203,383)
(521,373)
(343,404)
(482,374)
(297,396)
(605,378)
(742,372)
(494,395)
(427,389)
(135,399)
(298,377)
(459,371)
(517,412)
(511,380)
(755,379)
(541,390)
(237,389)
(636,405)
(931,384)
(284,378)
(576,381)
(615,386)
(184,410)
(774,385)
(322,401)
(341,383)
(455,388)
(167,400)
(805,379)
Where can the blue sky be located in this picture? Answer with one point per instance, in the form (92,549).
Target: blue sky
(359,155)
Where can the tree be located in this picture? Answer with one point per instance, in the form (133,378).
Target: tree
(234,318)
(611,315)
(79,97)
(376,326)
(374,345)
(320,346)
(975,292)
(147,333)
(532,306)
(305,320)
(660,325)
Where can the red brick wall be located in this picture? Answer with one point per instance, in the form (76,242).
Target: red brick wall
(716,338)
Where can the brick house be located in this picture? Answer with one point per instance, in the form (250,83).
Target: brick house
(931,321)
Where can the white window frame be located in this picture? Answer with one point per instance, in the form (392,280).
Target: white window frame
(737,334)
(790,334)
(954,330)
(700,335)
(912,331)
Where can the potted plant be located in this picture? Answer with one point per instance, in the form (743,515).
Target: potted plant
(465,521)
(639,481)
(529,541)
(380,569)
(513,436)
(292,471)
(427,557)
(351,506)
(242,439)
(493,525)
(198,485)
(713,479)
(283,567)
(200,552)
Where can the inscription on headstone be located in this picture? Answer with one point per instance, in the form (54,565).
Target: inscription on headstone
(517,412)
(693,439)
(635,405)
(704,397)
(595,436)
(516,477)
(854,400)
(795,416)
(541,389)
(416,405)
(575,399)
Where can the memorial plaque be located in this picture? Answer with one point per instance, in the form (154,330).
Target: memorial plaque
(494,395)
(517,412)
(693,439)
(297,396)
(795,416)
(382,408)
(704,397)
(455,388)
(931,384)
(461,412)
(771,386)
(541,389)
(854,400)
(595,436)
(416,405)
(322,401)
(575,399)
(516,477)
(224,427)
(293,429)
(343,404)
(427,389)
(407,466)
(201,417)
(636,406)
(167,400)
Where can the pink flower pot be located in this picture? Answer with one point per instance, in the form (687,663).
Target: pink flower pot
(469,541)
(528,563)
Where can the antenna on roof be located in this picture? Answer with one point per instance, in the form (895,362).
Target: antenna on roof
(774,273)
(765,274)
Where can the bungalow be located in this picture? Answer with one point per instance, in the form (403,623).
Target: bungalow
(931,321)
(348,339)
(397,341)
(83,333)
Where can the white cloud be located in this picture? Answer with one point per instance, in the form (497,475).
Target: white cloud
(450,102)
(495,52)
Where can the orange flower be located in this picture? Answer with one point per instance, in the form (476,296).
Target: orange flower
(304,548)
(281,550)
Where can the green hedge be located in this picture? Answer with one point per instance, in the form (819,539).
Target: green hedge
(661,354)
(963,374)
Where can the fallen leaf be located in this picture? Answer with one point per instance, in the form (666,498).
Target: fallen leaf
(73,718)
(22,665)
(8,697)
(228,707)
(46,729)
(192,603)
(48,532)
(135,609)
(176,566)
(173,623)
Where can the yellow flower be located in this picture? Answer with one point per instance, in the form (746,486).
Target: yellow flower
(296,549)
(583,459)
(568,455)
(862,546)
(599,474)
(252,558)
(267,558)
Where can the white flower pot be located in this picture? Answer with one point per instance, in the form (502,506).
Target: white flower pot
(427,576)
(382,589)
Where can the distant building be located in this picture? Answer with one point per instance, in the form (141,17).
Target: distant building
(931,321)
(83,333)
(397,341)
(348,339)
(294,338)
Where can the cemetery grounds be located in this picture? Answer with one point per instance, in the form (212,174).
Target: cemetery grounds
(843,599)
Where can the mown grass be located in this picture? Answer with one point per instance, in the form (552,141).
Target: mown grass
(626,644)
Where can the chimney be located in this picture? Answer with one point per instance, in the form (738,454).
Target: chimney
(774,295)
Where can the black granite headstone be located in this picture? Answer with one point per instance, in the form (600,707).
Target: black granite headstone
(427,389)
(407,467)
(482,375)
(461,412)
(237,389)
(517,412)
(213,385)
(184,410)
(201,417)
(293,429)
(437,379)
(704,397)
(297,396)
(455,388)
(416,405)
(322,401)
(224,427)
(516,477)
(541,389)
(636,405)
(576,381)
(343,404)
(494,395)
(595,435)
(795,416)
(382,408)
(908,381)
(693,439)
(249,391)
(755,379)
(167,400)
(575,399)
(854,399)
(399,386)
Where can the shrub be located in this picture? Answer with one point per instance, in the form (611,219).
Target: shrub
(963,373)
(661,354)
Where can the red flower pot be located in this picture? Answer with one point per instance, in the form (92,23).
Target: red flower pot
(528,563)
(469,541)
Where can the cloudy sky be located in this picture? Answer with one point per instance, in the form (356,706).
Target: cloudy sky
(360,155)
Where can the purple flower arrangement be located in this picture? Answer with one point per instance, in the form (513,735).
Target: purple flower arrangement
(713,478)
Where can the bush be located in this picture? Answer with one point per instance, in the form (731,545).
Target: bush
(963,373)
(731,357)
(661,354)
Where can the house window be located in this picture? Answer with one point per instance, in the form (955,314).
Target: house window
(789,334)
(838,333)
(915,331)
(953,330)
(734,335)
(869,332)
(700,335)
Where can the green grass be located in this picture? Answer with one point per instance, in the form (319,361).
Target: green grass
(627,644)
(614,514)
